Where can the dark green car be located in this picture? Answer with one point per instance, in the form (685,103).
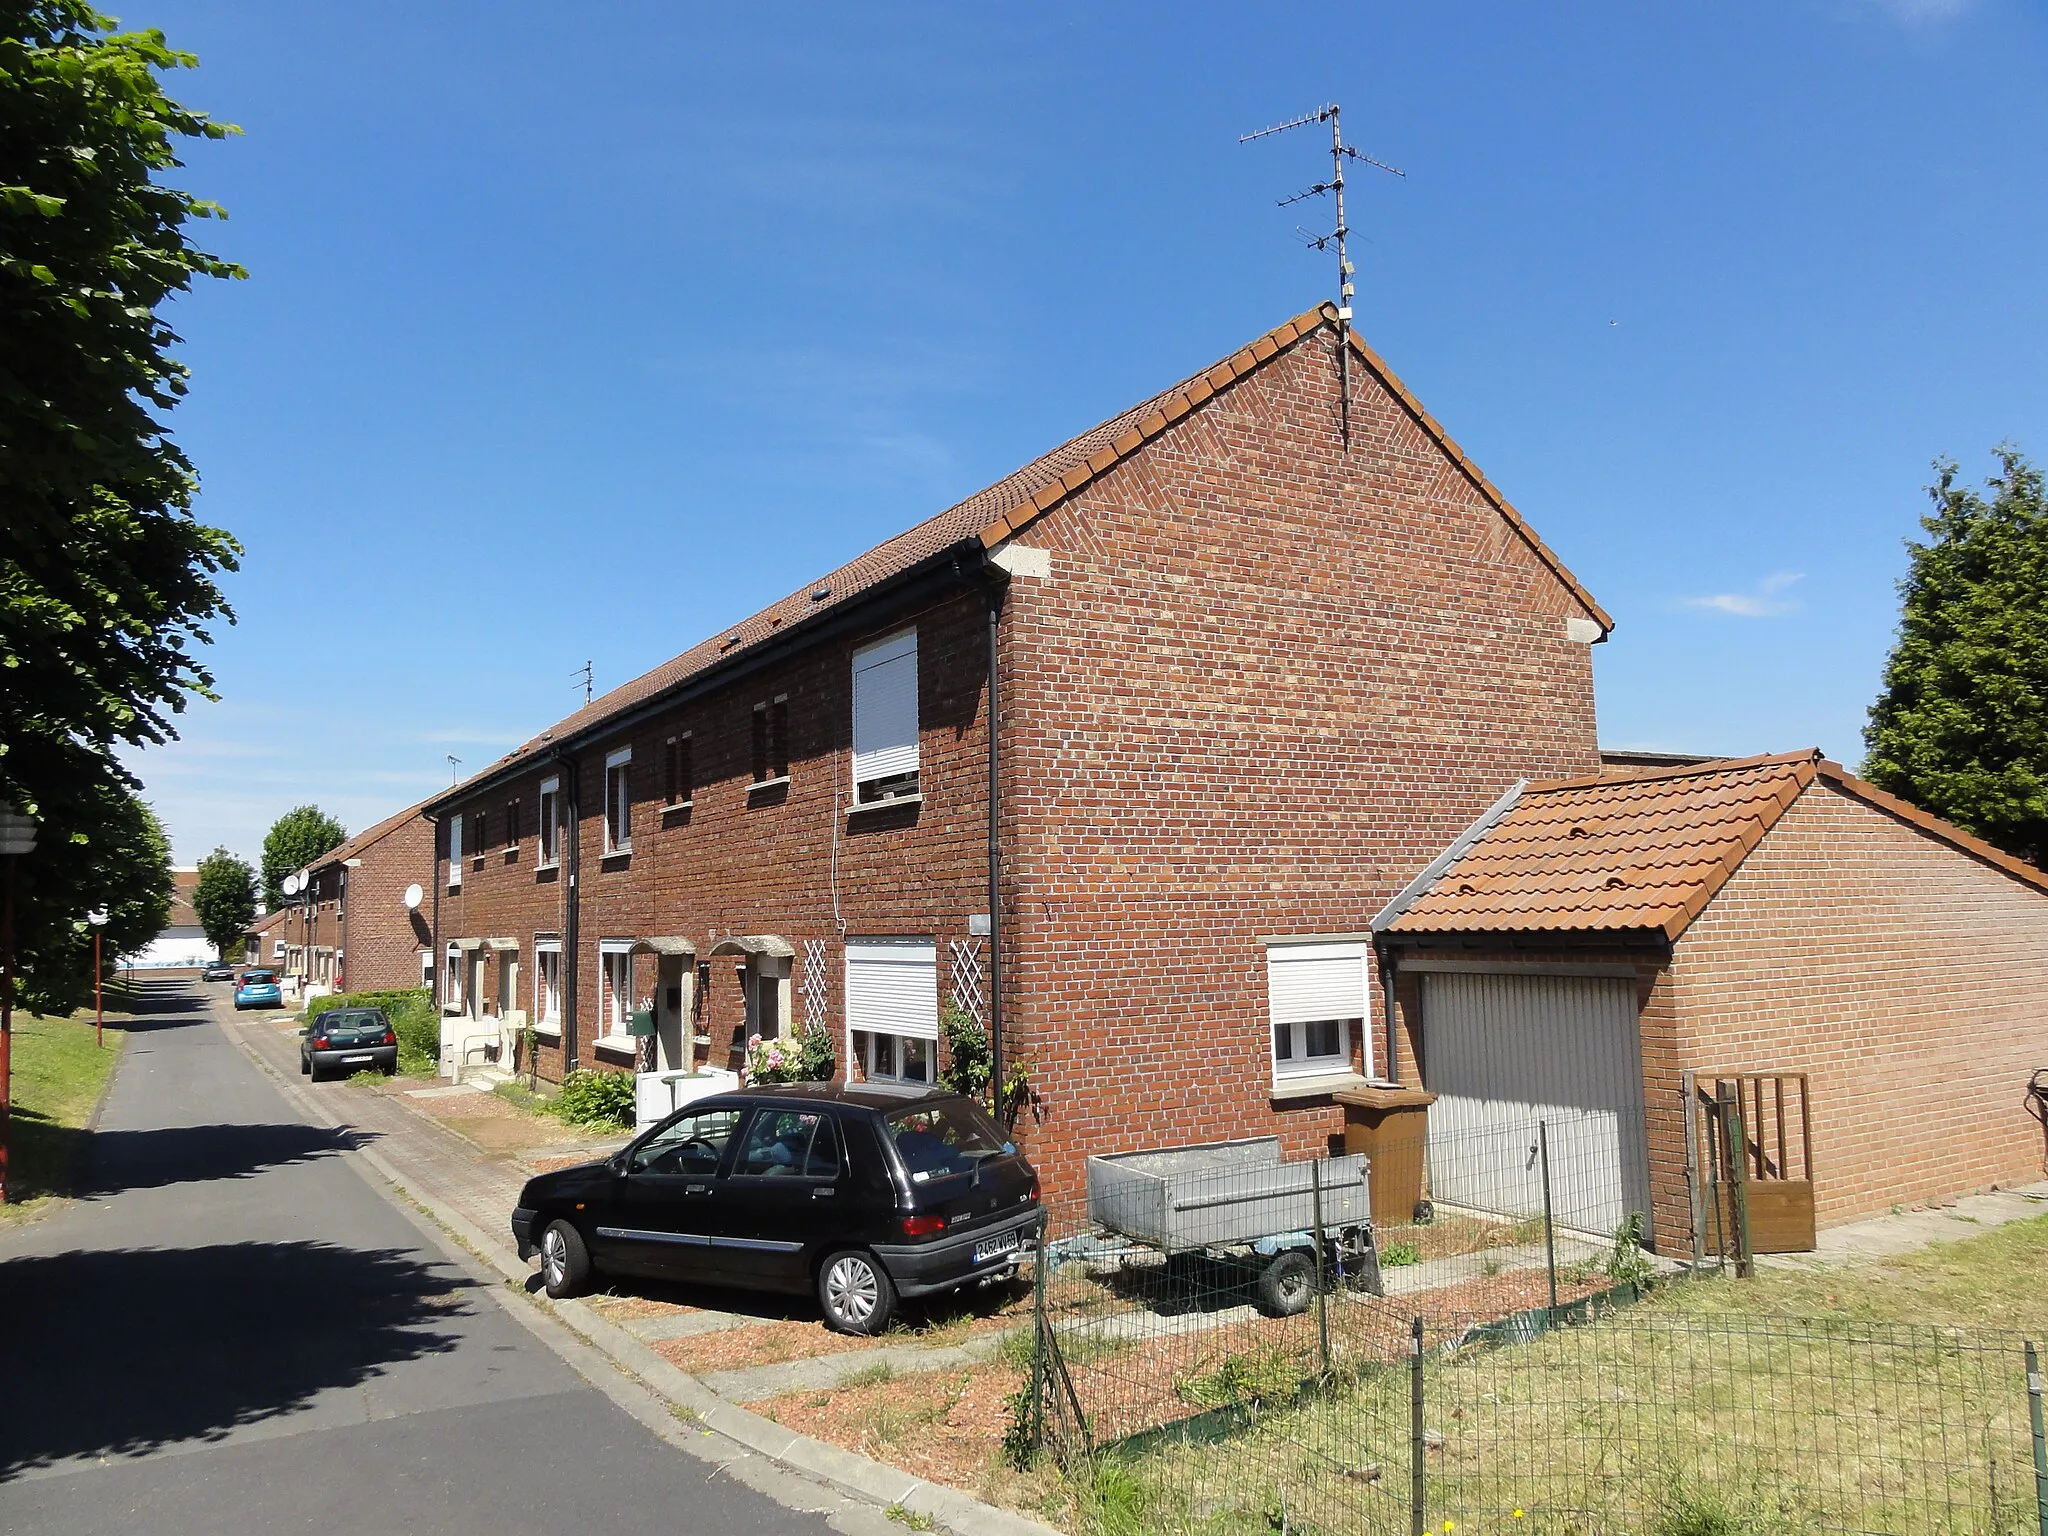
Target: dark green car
(348,1040)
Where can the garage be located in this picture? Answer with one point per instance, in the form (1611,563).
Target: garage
(1506,1051)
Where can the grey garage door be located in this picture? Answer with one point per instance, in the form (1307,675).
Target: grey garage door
(1503,1052)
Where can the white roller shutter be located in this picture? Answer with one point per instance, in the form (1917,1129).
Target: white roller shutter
(885,709)
(1503,1052)
(1307,982)
(892,986)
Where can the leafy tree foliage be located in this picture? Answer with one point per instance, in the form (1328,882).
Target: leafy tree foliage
(107,581)
(1961,728)
(294,840)
(225,899)
(100,848)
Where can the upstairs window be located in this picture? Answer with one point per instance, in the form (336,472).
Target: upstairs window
(550,837)
(455,849)
(885,720)
(618,801)
(771,740)
(512,828)
(480,835)
(677,770)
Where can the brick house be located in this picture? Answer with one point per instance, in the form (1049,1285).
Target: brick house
(353,928)
(1591,941)
(1248,678)
(264,942)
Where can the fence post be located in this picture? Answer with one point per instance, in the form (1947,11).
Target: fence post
(1322,1289)
(1549,1226)
(1418,1510)
(1038,1370)
(1736,1137)
(1689,1118)
(2034,1388)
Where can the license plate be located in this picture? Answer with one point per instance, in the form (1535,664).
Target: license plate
(991,1247)
(365,1057)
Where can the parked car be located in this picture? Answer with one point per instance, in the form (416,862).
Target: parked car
(258,989)
(348,1039)
(858,1193)
(221,972)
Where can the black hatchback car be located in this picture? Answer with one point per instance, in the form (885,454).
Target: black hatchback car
(859,1193)
(348,1040)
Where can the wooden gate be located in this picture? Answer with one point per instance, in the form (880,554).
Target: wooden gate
(1751,1161)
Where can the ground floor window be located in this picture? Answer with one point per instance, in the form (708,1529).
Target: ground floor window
(615,958)
(547,992)
(1319,1000)
(451,994)
(426,968)
(894,1058)
(892,1007)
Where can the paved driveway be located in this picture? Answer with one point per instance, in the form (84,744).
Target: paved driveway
(236,1332)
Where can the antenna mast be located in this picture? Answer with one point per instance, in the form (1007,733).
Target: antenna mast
(584,673)
(1339,237)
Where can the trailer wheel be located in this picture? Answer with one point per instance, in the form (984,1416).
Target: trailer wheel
(1287,1285)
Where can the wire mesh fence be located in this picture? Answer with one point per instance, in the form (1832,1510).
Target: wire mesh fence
(1257,1346)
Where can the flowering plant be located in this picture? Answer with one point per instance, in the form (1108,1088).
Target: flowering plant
(774,1061)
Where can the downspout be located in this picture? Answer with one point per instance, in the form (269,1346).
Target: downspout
(995,867)
(572,952)
(434,940)
(1393,1068)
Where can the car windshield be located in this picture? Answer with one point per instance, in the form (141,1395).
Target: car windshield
(936,1140)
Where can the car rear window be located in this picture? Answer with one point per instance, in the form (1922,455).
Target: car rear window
(937,1140)
(351,1018)
(259,977)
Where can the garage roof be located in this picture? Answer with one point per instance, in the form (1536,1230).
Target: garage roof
(1640,852)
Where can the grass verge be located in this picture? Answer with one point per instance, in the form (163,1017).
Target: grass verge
(59,1074)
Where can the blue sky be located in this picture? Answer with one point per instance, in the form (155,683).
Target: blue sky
(580,333)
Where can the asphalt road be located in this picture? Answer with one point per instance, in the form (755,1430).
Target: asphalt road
(235,1331)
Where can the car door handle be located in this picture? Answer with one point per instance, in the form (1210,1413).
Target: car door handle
(696,1189)
(819,1194)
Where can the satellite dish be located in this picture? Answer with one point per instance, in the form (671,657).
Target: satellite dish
(291,885)
(413,897)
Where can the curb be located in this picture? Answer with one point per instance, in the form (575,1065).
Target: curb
(847,1471)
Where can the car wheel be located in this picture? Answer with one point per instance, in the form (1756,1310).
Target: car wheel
(564,1261)
(305,1065)
(1287,1285)
(856,1292)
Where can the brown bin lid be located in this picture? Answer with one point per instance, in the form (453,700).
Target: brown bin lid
(1391,1096)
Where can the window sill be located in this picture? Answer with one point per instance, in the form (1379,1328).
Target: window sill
(613,855)
(1316,1085)
(548,868)
(548,1031)
(623,1045)
(867,807)
(679,809)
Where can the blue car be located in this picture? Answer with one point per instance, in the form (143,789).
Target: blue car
(259,989)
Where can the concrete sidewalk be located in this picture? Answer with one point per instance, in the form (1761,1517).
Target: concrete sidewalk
(472,1192)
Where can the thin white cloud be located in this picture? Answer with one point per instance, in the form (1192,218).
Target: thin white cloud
(1765,602)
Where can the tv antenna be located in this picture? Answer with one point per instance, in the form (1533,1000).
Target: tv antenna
(1338,237)
(454,763)
(583,672)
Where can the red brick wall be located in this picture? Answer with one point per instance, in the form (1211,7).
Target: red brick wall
(1265,682)
(741,862)
(1905,976)
(383,941)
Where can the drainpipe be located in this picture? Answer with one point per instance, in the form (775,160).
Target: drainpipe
(995,866)
(439,962)
(1387,964)
(572,950)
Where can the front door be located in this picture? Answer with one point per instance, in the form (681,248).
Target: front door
(670,1041)
(780,1202)
(660,1220)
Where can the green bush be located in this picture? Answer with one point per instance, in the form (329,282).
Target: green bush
(599,1100)
(413,1019)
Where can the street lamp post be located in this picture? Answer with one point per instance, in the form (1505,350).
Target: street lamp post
(99,1003)
(17,838)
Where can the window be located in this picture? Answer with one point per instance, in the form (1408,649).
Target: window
(480,835)
(771,740)
(1318,997)
(549,835)
(615,958)
(801,1143)
(767,1004)
(676,769)
(618,801)
(452,993)
(885,720)
(547,990)
(691,1146)
(426,968)
(892,1007)
(455,850)
(939,1140)
(512,828)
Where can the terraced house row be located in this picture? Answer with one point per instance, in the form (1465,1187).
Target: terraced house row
(1138,756)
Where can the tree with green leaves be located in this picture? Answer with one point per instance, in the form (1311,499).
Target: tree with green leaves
(296,839)
(108,852)
(225,900)
(107,581)
(1961,728)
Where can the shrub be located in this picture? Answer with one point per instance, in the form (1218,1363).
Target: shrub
(598,1100)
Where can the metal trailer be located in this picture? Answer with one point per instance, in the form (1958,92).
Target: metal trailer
(1241,1204)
